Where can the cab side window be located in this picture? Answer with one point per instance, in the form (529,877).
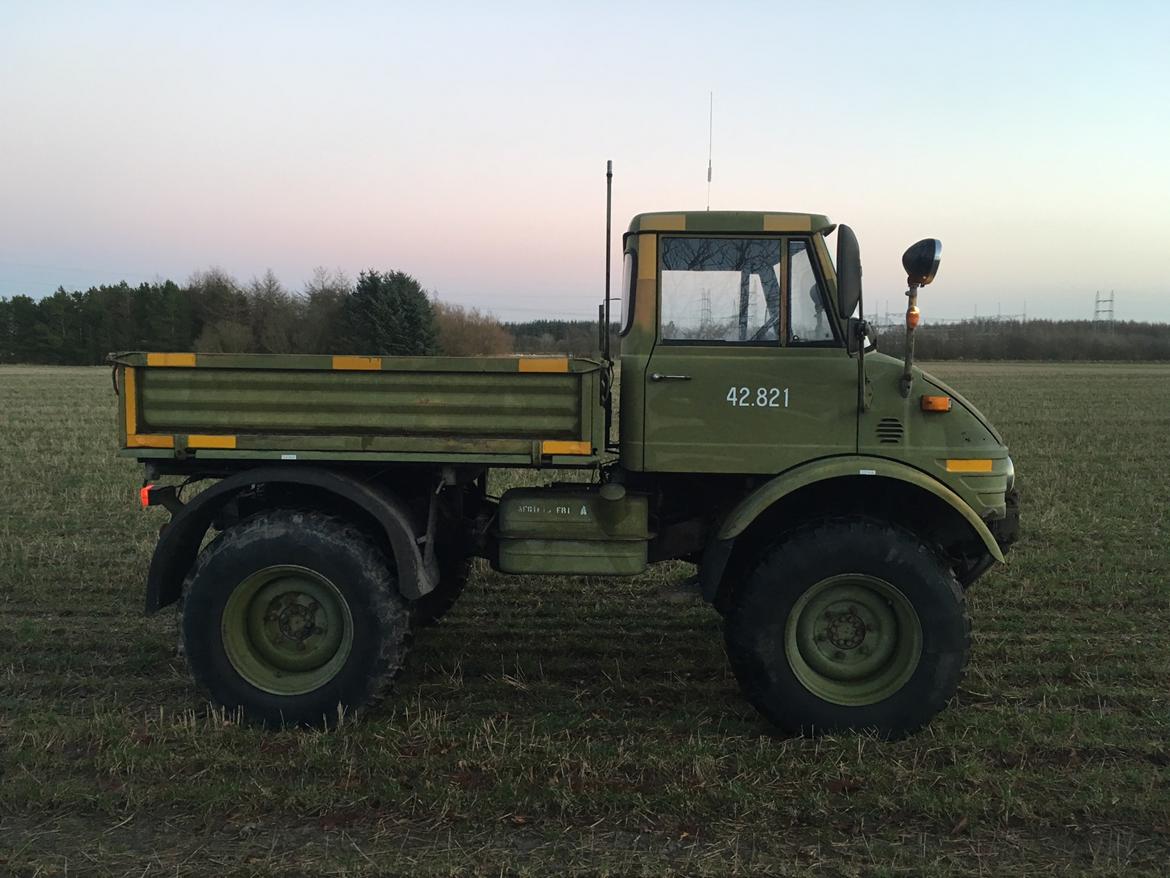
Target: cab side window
(721,290)
(810,321)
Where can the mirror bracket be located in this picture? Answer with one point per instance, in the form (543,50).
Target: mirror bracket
(907,380)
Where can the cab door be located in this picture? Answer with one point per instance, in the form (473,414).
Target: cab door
(747,374)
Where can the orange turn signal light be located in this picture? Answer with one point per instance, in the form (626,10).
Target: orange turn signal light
(936,403)
(912,317)
(144,495)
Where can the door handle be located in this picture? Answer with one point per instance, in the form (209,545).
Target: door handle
(658,376)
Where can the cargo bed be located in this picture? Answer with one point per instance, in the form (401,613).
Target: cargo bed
(504,411)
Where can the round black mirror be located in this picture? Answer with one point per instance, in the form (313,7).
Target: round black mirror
(921,261)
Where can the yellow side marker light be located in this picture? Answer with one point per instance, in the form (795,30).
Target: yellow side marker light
(936,403)
(969,465)
(560,446)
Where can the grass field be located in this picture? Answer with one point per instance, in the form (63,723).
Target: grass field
(588,725)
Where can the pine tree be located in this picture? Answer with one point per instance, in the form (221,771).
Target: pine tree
(389,313)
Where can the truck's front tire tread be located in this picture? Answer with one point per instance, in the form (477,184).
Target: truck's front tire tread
(760,605)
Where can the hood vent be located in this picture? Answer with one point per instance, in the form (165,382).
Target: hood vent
(889,431)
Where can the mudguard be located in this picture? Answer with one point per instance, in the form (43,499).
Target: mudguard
(750,507)
(179,542)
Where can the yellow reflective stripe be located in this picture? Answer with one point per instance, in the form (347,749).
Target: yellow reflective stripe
(139,440)
(561,446)
(647,257)
(187,360)
(776,223)
(195,441)
(970,465)
(130,398)
(667,222)
(542,364)
(359,364)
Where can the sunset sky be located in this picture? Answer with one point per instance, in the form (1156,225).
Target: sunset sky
(465,143)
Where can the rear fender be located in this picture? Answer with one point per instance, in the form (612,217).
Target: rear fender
(179,542)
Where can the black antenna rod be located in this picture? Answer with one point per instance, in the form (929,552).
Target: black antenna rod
(608,225)
(710,145)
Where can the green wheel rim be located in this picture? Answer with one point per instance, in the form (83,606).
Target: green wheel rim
(853,639)
(287,630)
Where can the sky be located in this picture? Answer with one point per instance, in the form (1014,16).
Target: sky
(465,143)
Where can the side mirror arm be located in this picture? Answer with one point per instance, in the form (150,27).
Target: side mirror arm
(860,330)
(907,380)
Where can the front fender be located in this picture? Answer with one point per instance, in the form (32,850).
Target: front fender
(179,542)
(747,510)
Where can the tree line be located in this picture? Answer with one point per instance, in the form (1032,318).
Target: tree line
(383,312)
(389,312)
(1057,340)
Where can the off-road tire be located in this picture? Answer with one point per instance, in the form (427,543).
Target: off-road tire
(326,547)
(454,572)
(766,618)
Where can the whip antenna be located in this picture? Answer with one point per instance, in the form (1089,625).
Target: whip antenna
(608,236)
(710,142)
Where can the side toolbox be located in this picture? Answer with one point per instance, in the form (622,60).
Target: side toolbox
(572,529)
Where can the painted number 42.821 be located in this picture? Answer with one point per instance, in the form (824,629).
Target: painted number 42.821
(758,397)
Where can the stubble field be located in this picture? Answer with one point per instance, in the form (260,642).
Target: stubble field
(587,725)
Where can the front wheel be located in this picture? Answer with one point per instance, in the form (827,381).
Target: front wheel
(293,617)
(846,626)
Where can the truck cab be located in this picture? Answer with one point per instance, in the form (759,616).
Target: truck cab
(733,359)
(738,357)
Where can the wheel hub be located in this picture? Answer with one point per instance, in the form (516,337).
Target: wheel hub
(296,621)
(846,631)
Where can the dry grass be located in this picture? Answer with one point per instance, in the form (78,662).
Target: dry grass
(585,725)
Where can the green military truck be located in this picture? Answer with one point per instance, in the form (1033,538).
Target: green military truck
(837,502)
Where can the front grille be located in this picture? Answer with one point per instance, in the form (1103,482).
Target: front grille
(889,431)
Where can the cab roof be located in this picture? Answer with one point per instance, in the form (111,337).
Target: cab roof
(730,221)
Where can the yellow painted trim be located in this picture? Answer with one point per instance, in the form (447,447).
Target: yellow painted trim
(970,465)
(187,360)
(561,446)
(777,223)
(196,441)
(667,222)
(647,247)
(358,364)
(130,398)
(142,440)
(542,364)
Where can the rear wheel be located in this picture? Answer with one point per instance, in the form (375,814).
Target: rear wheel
(293,617)
(849,625)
